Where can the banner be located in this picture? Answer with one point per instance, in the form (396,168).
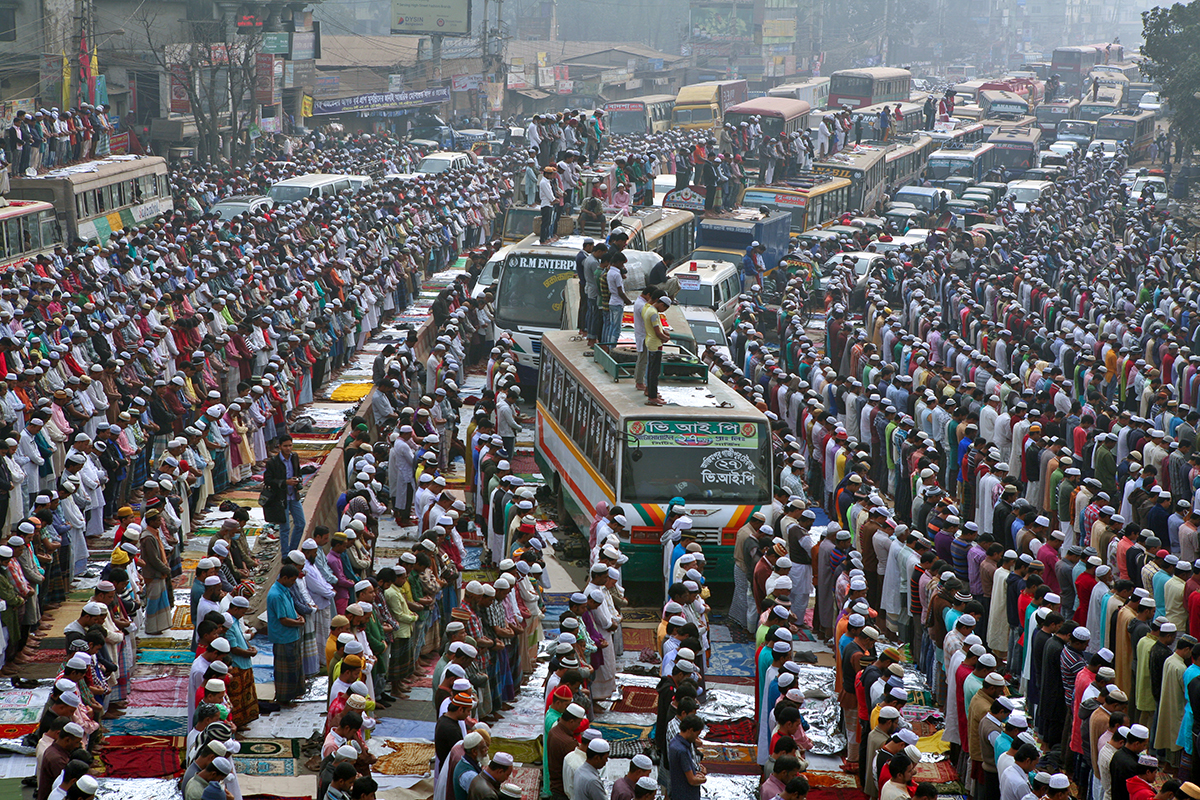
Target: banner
(723,22)
(382,101)
(693,433)
(118,143)
(306,106)
(66,81)
(180,102)
(264,79)
(465,83)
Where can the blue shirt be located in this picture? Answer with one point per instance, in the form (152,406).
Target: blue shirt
(280,606)
(681,761)
(237,638)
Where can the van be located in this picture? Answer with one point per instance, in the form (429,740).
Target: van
(1027,193)
(709,284)
(314,184)
(926,198)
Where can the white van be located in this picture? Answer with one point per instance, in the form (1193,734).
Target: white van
(1027,193)
(314,184)
(709,284)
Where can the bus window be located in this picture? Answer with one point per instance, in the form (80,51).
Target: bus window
(12,238)
(49,227)
(30,235)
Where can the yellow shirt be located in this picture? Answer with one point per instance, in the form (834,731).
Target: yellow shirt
(655,335)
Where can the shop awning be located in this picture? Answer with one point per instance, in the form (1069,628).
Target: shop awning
(533,94)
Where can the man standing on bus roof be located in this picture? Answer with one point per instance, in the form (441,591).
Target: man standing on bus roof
(581,261)
(656,335)
(546,200)
(753,265)
(615,277)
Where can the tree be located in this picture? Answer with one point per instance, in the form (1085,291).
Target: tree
(1172,50)
(216,72)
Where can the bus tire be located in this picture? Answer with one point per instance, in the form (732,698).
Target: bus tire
(560,503)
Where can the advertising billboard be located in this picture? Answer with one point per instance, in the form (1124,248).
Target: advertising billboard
(722,22)
(432,17)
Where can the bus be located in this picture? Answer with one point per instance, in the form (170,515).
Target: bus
(811,198)
(1000,104)
(814,91)
(777,116)
(639,115)
(28,229)
(1072,65)
(1016,150)
(528,286)
(1106,103)
(1109,81)
(867,87)
(1137,128)
(597,441)
(968,91)
(906,160)
(973,161)
(866,167)
(958,132)
(912,118)
(1050,114)
(98,197)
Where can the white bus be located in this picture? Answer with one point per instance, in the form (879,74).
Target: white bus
(597,440)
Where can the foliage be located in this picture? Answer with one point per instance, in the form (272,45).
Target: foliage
(1172,50)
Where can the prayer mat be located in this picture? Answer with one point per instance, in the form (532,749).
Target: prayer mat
(637,638)
(847,793)
(21,698)
(731,753)
(406,758)
(166,657)
(182,618)
(730,768)
(636,700)
(270,767)
(640,615)
(732,680)
(161,670)
(15,730)
(951,789)
(529,779)
(271,748)
(351,392)
(163,643)
(742,730)
(933,743)
(936,772)
(524,464)
(525,751)
(614,732)
(831,780)
(148,726)
(167,691)
(731,658)
(41,656)
(140,762)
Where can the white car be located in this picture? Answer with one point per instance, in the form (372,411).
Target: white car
(863,261)
(1150,102)
(436,163)
(1157,184)
(706,327)
(231,207)
(1063,148)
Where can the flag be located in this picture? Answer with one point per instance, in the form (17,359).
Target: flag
(92,73)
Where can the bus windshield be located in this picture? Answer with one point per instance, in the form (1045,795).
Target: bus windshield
(677,461)
(530,291)
(686,115)
(1078,127)
(1015,157)
(939,168)
(518,222)
(628,122)
(1120,130)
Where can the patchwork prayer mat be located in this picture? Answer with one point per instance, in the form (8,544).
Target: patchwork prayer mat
(406,758)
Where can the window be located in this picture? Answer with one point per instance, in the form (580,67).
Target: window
(8,24)
(30,235)
(49,225)
(12,238)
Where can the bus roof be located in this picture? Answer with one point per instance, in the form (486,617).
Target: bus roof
(101,168)
(627,401)
(801,182)
(784,107)
(19,208)
(1029,135)
(873,72)
(1078,48)
(1128,115)
(784,88)
(963,151)
(860,157)
(649,98)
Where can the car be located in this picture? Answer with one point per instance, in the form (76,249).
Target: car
(442,161)
(1026,193)
(1063,148)
(904,216)
(231,207)
(706,327)
(979,195)
(1041,174)
(871,224)
(892,243)
(490,271)
(957,184)
(863,261)
(1150,102)
(961,206)
(1157,184)
(843,231)
(1106,147)
(813,236)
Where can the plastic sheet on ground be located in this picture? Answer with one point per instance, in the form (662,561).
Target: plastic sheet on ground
(288,723)
(722,705)
(730,787)
(136,788)
(823,715)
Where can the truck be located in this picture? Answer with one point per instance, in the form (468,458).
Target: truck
(726,238)
(701,106)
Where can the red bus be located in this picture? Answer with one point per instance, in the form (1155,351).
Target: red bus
(1072,65)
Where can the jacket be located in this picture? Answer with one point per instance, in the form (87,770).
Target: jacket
(274,495)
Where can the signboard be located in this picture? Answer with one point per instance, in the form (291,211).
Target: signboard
(382,101)
(304,75)
(465,83)
(723,22)
(545,76)
(180,102)
(306,106)
(565,87)
(395,83)
(688,282)
(689,198)
(266,87)
(517,80)
(655,64)
(779,28)
(431,17)
(327,86)
(304,45)
(277,43)
(693,433)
